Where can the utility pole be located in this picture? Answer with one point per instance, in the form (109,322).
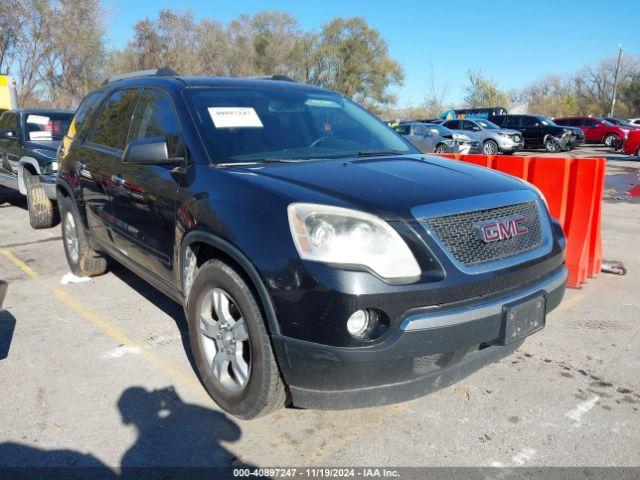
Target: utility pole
(615,81)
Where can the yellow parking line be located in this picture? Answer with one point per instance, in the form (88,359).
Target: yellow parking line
(176,374)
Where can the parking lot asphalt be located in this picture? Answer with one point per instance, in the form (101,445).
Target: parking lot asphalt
(97,373)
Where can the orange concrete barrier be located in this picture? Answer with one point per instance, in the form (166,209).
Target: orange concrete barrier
(573,189)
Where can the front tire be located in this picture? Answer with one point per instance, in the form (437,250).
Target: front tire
(609,139)
(230,343)
(42,211)
(490,147)
(552,145)
(82,259)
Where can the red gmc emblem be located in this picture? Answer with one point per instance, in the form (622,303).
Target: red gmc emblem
(501,229)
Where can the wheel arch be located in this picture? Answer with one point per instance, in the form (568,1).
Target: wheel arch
(30,164)
(206,246)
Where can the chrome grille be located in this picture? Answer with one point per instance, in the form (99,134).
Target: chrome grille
(459,235)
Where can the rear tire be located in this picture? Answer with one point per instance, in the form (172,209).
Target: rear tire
(42,211)
(441,148)
(238,370)
(82,259)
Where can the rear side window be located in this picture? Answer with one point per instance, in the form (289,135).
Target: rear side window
(3,120)
(453,125)
(84,114)
(154,117)
(420,130)
(588,122)
(9,121)
(403,129)
(112,124)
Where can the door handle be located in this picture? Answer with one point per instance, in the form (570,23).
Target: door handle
(118,180)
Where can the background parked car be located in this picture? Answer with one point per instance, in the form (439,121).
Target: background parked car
(29,141)
(540,132)
(632,145)
(596,130)
(426,139)
(472,113)
(621,122)
(494,139)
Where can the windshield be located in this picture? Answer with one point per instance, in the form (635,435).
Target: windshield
(47,126)
(546,121)
(487,124)
(616,121)
(255,124)
(439,129)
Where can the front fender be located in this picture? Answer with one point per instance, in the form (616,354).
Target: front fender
(21,166)
(244,263)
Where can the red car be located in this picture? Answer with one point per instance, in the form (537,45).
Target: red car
(632,145)
(596,130)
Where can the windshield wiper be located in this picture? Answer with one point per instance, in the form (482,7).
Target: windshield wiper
(379,153)
(261,160)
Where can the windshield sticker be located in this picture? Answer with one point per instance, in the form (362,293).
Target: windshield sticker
(235,117)
(37,119)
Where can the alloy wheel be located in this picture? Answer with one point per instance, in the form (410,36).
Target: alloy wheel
(225,339)
(489,148)
(71,237)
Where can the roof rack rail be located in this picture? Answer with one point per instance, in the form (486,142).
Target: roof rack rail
(281,78)
(160,72)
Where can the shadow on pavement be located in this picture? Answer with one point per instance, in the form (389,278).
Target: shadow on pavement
(7,324)
(174,440)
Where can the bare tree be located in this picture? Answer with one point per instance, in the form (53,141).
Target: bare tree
(483,92)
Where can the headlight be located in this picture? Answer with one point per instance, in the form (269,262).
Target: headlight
(342,236)
(461,137)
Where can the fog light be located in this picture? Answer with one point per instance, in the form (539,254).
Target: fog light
(362,323)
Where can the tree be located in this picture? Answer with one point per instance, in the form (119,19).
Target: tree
(53,49)
(483,92)
(75,65)
(552,96)
(630,95)
(351,58)
(434,103)
(594,84)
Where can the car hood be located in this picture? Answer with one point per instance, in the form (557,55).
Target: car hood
(48,145)
(387,186)
(510,131)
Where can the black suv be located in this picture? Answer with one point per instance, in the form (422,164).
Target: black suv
(541,132)
(321,259)
(29,140)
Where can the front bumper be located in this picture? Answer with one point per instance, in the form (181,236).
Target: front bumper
(509,145)
(428,352)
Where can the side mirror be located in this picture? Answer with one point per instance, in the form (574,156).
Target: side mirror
(476,128)
(8,135)
(149,151)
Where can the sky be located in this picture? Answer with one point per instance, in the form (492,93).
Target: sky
(514,42)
